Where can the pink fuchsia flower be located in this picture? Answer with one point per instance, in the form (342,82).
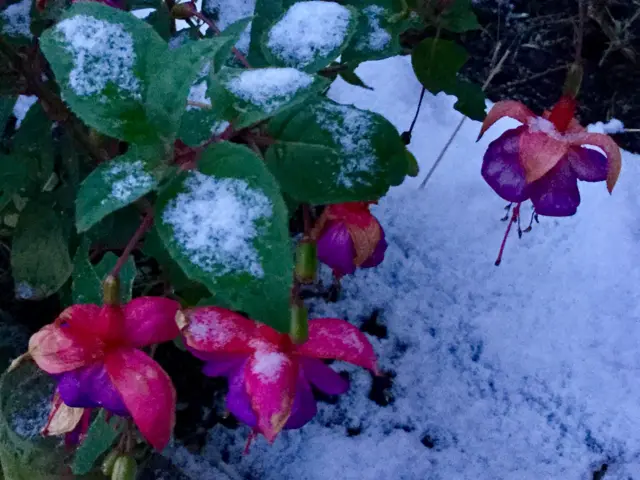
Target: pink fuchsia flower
(269,376)
(543,159)
(349,237)
(94,354)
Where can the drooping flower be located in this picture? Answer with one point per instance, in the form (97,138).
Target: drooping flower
(543,159)
(269,376)
(349,237)
(95,355)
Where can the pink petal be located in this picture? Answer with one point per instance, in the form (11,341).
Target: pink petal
(506,108)
(556,194)
(56,349)
(323,377)
(150,320)
(501,167)
(334,338)
(147,391)
(217,330)
(611,150)
(589,165)
(539,153)
(270,380)
(106,322)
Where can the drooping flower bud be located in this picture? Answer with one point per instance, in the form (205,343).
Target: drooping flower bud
(184,11)
(109,462)
(299,329)
(124,468)
(111,291)
(306,261)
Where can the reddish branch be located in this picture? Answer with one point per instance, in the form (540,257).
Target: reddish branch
(145,225)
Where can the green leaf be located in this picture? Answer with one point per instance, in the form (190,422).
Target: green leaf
(154,247)
(6,110)
(471,100)
(266,13)
(117,183)
(100,437)
(160,20)
(352,78)
(226,225)
(459,17)
(105,81)
(115,230)
(436,63)
(39,255)
(287,44)
(261,93)
(331,153)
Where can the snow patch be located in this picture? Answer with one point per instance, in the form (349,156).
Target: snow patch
(539,124)
(378,37)
(16,19)
(228,12)
(22,106)
(612,126)
(24,291)
(309,30)
(215,222)
(219,127)
(269,88)
(198,94)
(29,422)
(102,54)
(351,129)
(127,179)
(268,365)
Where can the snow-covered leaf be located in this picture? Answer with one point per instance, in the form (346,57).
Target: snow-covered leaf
(330,153)
(225,13)
(15,21)
(117,183)
(40,260)
(310,35)
(261,93)
(226,225)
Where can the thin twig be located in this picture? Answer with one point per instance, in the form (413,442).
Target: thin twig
(239,55)
(205,106)
(145,225)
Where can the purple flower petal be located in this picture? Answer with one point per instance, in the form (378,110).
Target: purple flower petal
(501,167)
(238,401)
(90,387)
(588,164)
(335,249)
(377,256)
(220,364)
(304,404)
(556,194)
(323,377)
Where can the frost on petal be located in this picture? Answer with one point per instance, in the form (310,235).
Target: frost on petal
(351,130)
(611,150)
(539,153)
(102,54)
(147,392)
(337,339)
(270,380)
(58,350)
(506,108)
(215,222)
(150,320)
(501,167)
(307,31)
(217,330)
(268,88)
(589,164)
(556,194)
(16,19)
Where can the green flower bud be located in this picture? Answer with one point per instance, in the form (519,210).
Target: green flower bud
(109,462)
(299,329)
(111,291)
(306,261)
(124,468)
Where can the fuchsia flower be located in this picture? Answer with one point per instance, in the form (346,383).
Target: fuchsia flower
(543,159)
(348,236)
(94,354)
(268,375)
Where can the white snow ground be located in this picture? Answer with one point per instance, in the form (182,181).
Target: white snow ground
(524,371)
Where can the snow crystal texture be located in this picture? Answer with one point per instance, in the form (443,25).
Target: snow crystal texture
(215,222)
(228,12)
(269,88)
(102,53)
(528,371)
(307,31)
(16,19)
(127,180)
(378,38)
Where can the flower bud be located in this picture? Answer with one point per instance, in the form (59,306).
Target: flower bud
(306,261)
(124,468)
(109,462)
(299,329)
(573,80)
(183,11)
(111,291)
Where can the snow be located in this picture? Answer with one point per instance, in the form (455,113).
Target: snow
(22,106)
(31,419)
(228,12)
(215,222)
(269,88)
(127,179)
(268,365)
(307,31)
(525,371)
(24,291)
(198,94)
(16,19)
(612,126)
(539,124)
(378,37)
(102,54)
(351,130)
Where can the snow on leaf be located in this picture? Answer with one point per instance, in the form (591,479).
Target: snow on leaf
(198,94)
(16,19)
(229,12)
(378,37)
(215,221)
(269,88)
(126,178)
(22,106)
(309,30)
(350,129)
(102,52)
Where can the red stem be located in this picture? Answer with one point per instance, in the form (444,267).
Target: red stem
(145,225)
(241,58)
(514,219)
